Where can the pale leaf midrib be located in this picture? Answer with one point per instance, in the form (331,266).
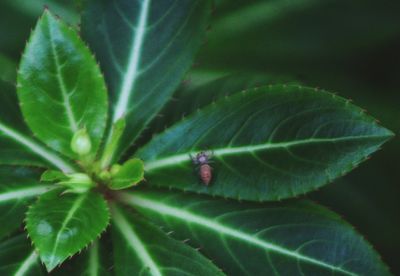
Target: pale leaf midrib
(21,193)
(66,98)
(184,215)
(129,79)
(185,157)
(27,264)
(36,148)
(74,208)
(93,269)
(134,242)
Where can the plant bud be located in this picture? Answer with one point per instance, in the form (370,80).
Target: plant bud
(78,183)
(105,176)
(115,169)
(80,143)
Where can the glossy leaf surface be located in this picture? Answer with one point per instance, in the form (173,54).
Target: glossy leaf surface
(129,174)
(266,144)
(61,225)
(140,248)
(297,238)
(17,146)
(18,258)
(18,188)
(59,76)
(144,48)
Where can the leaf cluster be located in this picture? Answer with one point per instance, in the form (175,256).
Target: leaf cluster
(96,155)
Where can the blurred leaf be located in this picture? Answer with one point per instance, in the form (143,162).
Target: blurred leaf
(298,36)
(94,260)
(22,16)
(18,258)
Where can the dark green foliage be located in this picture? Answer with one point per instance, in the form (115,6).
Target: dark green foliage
(269,136)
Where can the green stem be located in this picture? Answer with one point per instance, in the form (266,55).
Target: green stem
(112,143)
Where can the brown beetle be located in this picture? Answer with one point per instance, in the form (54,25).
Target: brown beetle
(202,159)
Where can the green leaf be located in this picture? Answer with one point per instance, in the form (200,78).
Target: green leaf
(52,176)
(266,144)
(191,97)
(295,238)
(144,48)
(17,147)
(18,188)
(60,226)
(59,76)
(127,175)
(18,258)
(142,249)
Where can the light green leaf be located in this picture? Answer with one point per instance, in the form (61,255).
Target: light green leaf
(296,238)
(144,48)
(127,175)
(52,176)
(59,76)
(18,258)
(142,249)
(60,226)
(18,188)
(266,144)
(17,147)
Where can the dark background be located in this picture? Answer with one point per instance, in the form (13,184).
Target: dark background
(349,47)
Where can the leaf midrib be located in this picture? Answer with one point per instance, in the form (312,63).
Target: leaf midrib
(93,267)
(23,193)
(136,200)
(74,208)
(134,242)
(66,96)
(36,148)
(27,264)
(184,157)
(131,74)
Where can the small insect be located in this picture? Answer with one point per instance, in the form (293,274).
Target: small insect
(203,159)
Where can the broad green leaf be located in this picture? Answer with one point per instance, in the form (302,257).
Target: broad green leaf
(18,258)
(59,76)
(127,175)
(140,248)
(189,98)
(18,188)
(295,238)
(17,147)
(61,225)
(144,48)
(266,144)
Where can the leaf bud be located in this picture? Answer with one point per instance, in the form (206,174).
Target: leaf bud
(80,143)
